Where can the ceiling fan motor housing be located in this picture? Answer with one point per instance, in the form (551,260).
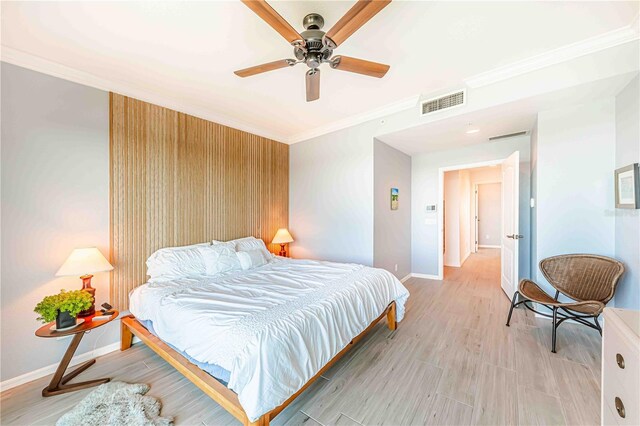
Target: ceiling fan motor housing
(315,51)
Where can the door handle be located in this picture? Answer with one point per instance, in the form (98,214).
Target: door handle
(515,236)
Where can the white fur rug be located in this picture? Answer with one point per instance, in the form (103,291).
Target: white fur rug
(116,403)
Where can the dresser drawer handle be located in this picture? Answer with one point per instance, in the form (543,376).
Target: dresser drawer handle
(620,407)
(620,360)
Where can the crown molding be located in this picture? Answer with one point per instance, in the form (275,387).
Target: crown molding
(566,53)
(45,66)
(553,57)
(595,44)
(354,120)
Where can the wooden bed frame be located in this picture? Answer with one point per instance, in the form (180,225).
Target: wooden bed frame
(224,396)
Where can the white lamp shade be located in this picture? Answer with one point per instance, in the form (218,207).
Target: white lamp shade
(282,237)
(84,261)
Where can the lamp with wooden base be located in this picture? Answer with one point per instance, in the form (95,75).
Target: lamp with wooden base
(83,262)
(282,237)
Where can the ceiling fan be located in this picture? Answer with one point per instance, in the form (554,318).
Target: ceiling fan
(315,47)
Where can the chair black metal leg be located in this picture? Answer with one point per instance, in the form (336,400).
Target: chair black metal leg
(553,332)
(513,304)
(595,320)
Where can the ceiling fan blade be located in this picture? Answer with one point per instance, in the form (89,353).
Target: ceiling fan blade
(360,66)
(269,66)
(277,22)
(313,84)
(356,17)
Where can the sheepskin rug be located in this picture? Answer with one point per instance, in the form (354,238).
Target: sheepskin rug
(116,403)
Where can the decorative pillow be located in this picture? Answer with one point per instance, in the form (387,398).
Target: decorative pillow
(219,258)
(175,262)
(249,243)
(251,259)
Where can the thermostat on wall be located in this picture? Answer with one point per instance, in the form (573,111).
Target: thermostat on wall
(431,208)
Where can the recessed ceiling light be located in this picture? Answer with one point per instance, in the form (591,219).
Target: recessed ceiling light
(471,129)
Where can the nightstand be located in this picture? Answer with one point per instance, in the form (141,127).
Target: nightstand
(59,381)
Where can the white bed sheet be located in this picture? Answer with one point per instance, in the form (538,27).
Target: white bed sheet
(273,327)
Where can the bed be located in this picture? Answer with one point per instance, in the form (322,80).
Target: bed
(254,339)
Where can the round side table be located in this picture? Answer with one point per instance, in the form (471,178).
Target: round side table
(59,381)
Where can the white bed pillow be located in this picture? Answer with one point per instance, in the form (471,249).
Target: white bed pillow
(170,263)
(251,259)
(249,243)
(238,241)
(219,258)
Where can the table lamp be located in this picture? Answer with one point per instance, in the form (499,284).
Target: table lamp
(83,262)
(282,237)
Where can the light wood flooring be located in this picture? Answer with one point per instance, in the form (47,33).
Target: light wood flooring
(451,361)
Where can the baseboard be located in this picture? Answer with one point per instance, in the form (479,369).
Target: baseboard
(425,276)
(405,278)
(464,258)
(50,369)
(486,246)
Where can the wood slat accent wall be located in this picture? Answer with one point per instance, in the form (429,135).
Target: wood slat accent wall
(177,180)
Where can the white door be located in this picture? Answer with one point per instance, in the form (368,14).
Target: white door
(476,220)
(510,228)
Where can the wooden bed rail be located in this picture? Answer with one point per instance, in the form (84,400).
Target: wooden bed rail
(208,384)
(224,396)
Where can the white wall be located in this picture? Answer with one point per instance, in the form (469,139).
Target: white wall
(452,218)
(55,197)
(627,222)
(392,228)
(424,189)
(457,217)
(489,214)
(331,196)
(575,162)
(486,175)
(464,215)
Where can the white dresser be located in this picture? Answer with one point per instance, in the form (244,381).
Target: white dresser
(621,367)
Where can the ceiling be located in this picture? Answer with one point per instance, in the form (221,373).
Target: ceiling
(186,52)
(504,119)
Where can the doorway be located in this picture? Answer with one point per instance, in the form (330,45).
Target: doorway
(472,216)
(487,203)
(472,212)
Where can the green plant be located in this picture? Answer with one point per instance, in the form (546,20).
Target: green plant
(71,301)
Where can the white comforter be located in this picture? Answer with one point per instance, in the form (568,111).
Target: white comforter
(273,327)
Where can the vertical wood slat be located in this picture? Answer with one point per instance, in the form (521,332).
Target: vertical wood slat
(178,179)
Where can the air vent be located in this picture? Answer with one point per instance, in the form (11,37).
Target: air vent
(444,102)
(510,135)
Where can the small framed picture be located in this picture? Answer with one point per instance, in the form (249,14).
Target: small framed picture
(394,198)
(628,187)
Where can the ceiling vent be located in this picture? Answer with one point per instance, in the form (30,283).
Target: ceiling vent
(510,135)
(443,102)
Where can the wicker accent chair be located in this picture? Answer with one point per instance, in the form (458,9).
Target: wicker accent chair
(588,279)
